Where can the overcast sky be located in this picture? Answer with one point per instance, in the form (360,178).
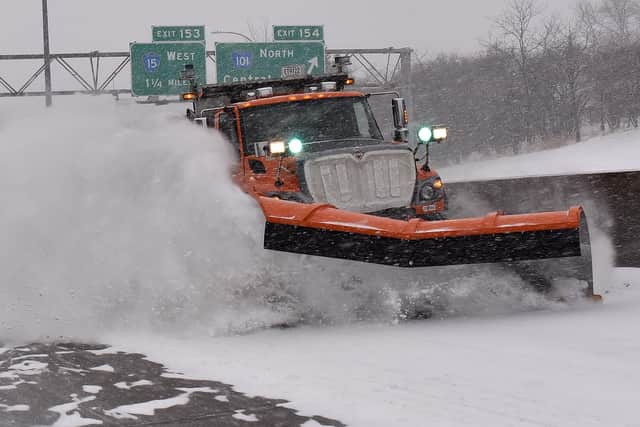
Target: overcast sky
(82,25)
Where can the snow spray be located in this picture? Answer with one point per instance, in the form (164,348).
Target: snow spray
(120,216)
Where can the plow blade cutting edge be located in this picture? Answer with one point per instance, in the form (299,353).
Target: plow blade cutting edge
(523,243)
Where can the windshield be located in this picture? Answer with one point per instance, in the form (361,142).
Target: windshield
(321,124)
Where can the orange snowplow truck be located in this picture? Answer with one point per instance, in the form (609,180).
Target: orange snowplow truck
(330,185)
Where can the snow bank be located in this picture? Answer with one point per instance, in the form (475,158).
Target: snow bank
(610,153)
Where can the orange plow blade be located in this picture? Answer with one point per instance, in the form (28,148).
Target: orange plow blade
(523,243)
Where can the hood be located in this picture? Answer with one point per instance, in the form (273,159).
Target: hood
(368,178)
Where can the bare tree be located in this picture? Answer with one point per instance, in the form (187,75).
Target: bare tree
(522,40)
(619,18)
(588,23)
(572,64)
(260,31)
(538,79)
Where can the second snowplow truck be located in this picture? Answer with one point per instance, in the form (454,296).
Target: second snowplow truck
(329,184)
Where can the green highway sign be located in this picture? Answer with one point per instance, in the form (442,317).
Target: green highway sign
(156,67)
(298,32)
(192,33)
(238,62)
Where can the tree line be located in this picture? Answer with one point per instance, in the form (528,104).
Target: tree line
(539,81)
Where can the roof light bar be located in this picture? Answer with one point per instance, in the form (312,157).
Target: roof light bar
(264,92)
(329,86)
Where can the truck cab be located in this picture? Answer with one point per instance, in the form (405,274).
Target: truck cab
(315,140)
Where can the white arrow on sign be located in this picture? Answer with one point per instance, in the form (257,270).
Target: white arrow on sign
(313,63)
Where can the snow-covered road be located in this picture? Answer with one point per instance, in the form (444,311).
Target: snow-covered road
(565,367)
(568,367)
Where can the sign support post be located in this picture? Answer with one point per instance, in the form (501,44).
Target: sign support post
(47,54)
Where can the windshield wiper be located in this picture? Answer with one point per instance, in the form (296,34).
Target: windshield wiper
(350,138)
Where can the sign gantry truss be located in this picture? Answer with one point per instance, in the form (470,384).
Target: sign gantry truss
(388,68)
(91,85)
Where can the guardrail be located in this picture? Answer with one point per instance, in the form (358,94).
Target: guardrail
(611,201)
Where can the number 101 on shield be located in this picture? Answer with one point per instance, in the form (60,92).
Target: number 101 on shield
(242,59)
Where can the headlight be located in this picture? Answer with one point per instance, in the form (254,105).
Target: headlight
(295,146)
(425,134)
(427,192)
(277,147)
(440,134)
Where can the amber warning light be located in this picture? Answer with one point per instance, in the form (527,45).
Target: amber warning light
(189,96)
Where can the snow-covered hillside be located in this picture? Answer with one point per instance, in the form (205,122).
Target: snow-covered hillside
(614,152)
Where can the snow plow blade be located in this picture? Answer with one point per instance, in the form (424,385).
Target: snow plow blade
(524,243)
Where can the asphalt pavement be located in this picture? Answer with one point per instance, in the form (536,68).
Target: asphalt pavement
(78,384)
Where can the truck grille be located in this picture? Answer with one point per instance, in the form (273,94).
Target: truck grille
(378,180)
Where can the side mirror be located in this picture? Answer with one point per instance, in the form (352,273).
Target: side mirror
(341,63)
(400,113)
(189,73)
(400,119)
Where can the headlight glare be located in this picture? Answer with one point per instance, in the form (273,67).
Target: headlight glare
(425,134)
(277,147)
(295,146)
(440,134)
